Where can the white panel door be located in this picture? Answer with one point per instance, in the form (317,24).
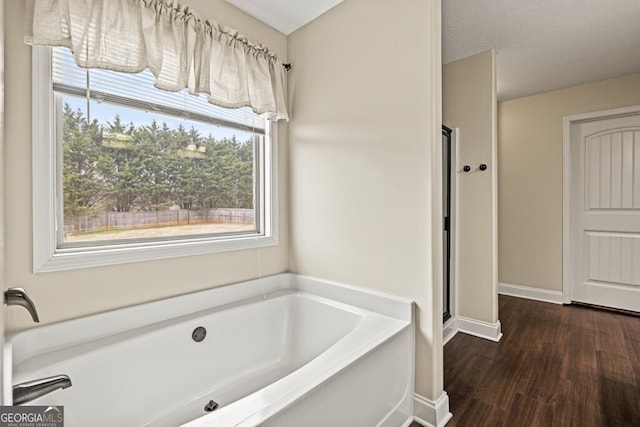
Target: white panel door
(605,212)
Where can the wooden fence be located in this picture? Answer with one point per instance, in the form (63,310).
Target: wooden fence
(149,219)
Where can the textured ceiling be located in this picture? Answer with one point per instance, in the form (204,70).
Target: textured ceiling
(541,45)
(285,16)
(544,45)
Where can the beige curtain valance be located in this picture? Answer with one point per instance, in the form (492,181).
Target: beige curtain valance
(181,50)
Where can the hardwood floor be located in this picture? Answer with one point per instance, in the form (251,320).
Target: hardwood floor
(555,366)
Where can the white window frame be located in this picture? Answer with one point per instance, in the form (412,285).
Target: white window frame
(47,256)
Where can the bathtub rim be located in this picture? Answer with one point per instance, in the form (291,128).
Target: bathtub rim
(144,314)
(45,338)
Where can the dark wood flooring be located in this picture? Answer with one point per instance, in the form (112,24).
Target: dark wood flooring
(555,366)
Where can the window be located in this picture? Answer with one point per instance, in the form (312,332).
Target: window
(126,172)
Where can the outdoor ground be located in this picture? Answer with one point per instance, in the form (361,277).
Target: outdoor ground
(168,231)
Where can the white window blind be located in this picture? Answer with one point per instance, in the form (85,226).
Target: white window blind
(138,91)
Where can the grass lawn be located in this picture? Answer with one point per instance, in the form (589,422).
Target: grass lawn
(165,231)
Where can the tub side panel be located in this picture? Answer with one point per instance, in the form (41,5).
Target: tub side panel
(376,390)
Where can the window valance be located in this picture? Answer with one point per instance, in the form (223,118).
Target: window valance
(181,50)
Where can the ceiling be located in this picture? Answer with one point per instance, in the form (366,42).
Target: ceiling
(544,45)
(541,45)
(285,16)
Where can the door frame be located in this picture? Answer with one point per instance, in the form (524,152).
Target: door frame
(450,327)
(449,192)
(568,121)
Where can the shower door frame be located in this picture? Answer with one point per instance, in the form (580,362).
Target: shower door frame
(448,209)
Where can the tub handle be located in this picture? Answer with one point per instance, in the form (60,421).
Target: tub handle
(18,296)
(30,390)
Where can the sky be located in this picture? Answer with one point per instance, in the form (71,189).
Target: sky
(106,112)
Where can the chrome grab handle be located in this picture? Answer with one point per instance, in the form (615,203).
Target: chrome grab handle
(30,390)
(18,296)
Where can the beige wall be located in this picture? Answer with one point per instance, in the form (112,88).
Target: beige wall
(70,294)
(364,158)
(2,226)
(469,105)
(530,176)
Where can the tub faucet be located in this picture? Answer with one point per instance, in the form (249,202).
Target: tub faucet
(18,296)
(27,391)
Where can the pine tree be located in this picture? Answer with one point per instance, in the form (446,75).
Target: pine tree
(82,182)
(121,167)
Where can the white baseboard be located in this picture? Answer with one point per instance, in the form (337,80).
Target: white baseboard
(537,294)
(431,413)
(480,329)
(449,330)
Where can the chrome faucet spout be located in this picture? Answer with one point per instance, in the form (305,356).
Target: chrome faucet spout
(18,296)
(30,390)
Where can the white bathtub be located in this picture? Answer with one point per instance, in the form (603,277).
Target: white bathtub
(284,350)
